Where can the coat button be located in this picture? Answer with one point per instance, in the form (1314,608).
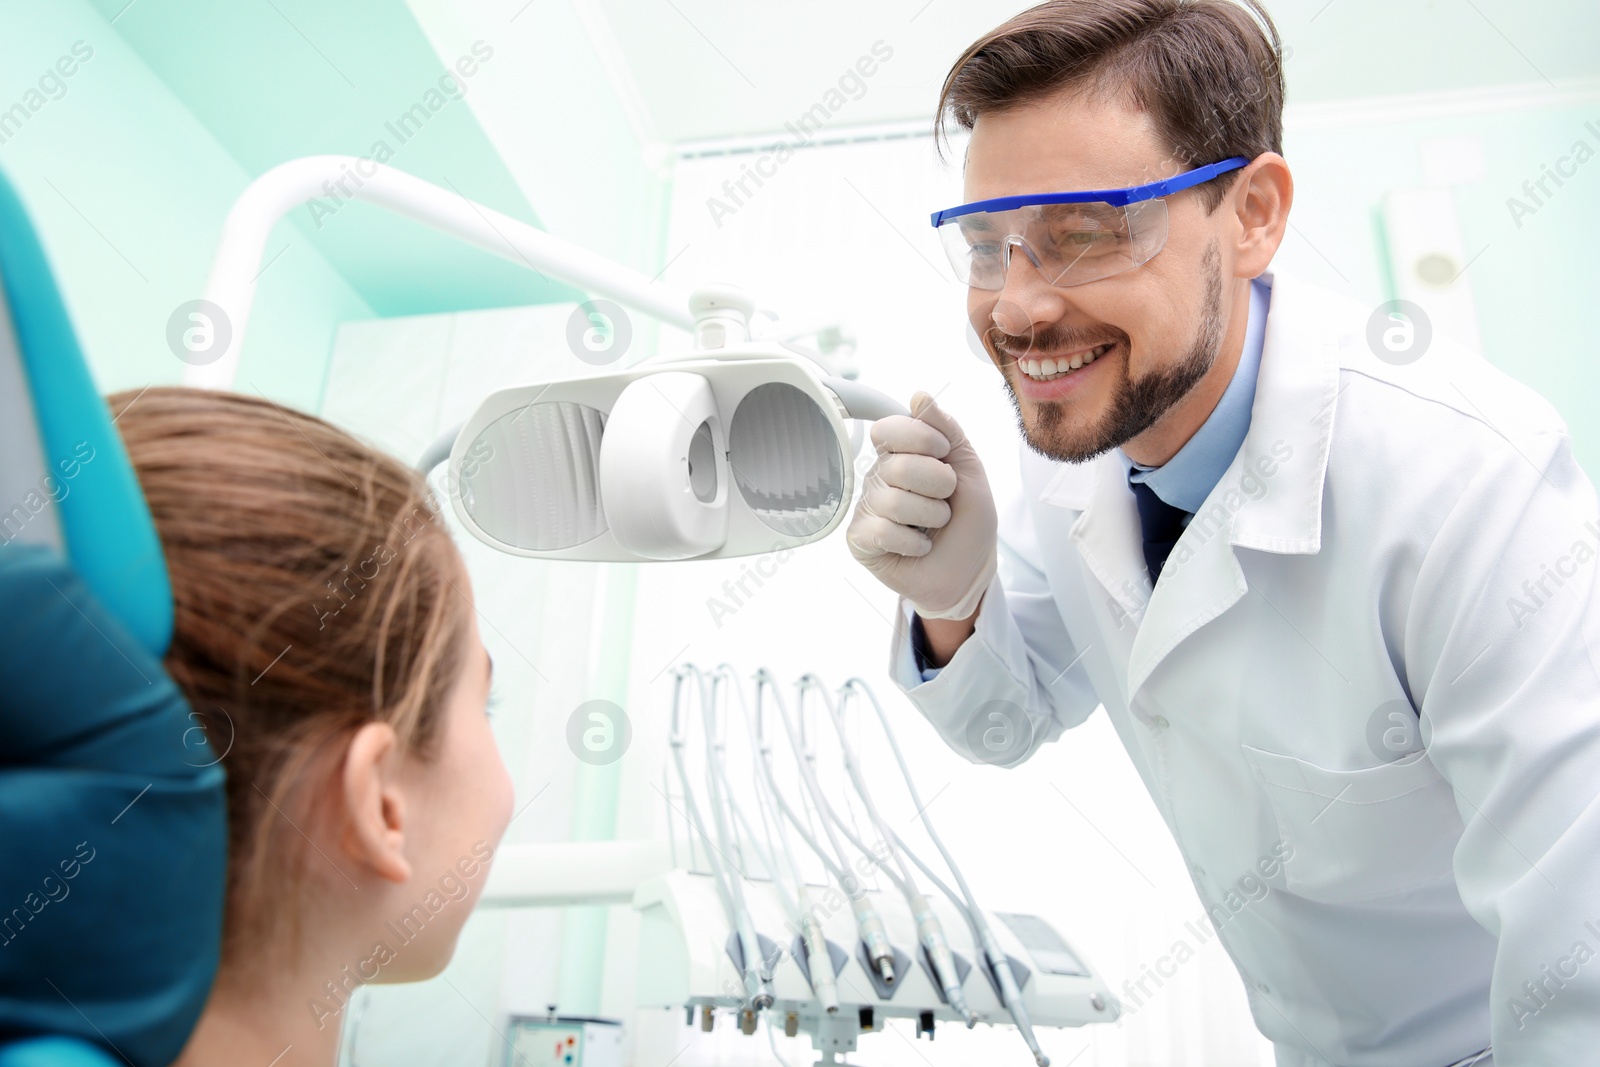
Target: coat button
(1161,722)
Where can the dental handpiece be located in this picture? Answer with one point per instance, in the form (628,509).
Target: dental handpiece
(757,980)
(757,990)
(1011,996)
(931,933)
(874,935)
(779,857)
(844,879)
(823,983)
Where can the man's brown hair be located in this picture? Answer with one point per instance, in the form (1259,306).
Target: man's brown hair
(1209,73)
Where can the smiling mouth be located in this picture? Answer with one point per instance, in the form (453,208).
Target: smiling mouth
(1048,369)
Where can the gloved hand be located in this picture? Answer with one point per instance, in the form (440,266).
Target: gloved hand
(927,475)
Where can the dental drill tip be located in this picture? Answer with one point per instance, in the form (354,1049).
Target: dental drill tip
(1041,1059)
(972,1019)
(886,969)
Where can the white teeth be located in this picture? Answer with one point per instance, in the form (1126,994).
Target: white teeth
(1050,369)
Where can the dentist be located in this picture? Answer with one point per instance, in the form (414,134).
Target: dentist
(1335,585)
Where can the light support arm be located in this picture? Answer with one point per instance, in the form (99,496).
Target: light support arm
(236,266)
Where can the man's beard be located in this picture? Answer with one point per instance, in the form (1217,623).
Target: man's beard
(1135,405)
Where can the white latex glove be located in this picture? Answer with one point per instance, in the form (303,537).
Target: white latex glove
(927,480)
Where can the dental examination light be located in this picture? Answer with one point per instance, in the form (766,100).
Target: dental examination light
(730,449)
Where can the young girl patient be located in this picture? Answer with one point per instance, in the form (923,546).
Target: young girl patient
(326,638)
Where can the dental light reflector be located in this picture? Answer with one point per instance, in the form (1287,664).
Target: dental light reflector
(543,506)
(699,457)
(786,460)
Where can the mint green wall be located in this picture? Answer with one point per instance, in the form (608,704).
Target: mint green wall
(1533,285)
(273,82)
(129,192)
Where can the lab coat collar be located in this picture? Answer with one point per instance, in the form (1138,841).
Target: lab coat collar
(1269,499)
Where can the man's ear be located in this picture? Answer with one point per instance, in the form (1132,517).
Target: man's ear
(374,807)
(1261,198)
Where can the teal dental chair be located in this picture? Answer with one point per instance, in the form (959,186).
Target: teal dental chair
(113,828)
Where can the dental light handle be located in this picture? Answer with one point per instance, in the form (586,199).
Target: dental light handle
(863,401)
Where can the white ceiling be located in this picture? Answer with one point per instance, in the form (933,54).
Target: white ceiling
(697,70)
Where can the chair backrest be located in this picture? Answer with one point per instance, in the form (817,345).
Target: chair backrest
(113,824)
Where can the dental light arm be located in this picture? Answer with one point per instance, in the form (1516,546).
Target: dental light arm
(236,266)
(1005,978)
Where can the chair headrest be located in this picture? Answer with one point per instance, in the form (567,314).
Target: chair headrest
(113,862)
(65,480)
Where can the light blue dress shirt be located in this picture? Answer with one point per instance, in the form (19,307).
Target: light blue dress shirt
(1185,480)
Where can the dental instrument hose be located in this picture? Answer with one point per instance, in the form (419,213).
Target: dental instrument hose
(736,920)
(757,980)
(999,965)
(874,934)
(781,864)
(929,930)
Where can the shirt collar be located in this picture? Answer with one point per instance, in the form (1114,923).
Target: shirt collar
(1186,479)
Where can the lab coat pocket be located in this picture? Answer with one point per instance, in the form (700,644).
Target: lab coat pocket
(1359,834)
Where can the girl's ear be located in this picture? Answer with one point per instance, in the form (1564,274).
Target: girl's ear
(374,812)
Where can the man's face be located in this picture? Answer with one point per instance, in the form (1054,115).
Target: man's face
(1165,320)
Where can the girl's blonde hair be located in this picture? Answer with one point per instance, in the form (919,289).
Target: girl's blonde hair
(316,590)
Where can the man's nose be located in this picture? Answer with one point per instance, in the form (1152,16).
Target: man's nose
(1026,300)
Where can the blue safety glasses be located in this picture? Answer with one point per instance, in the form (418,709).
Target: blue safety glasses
(1070,238)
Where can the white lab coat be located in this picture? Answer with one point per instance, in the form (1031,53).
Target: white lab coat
(1388,537)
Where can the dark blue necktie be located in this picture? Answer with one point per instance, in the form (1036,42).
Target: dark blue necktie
(1162,525)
